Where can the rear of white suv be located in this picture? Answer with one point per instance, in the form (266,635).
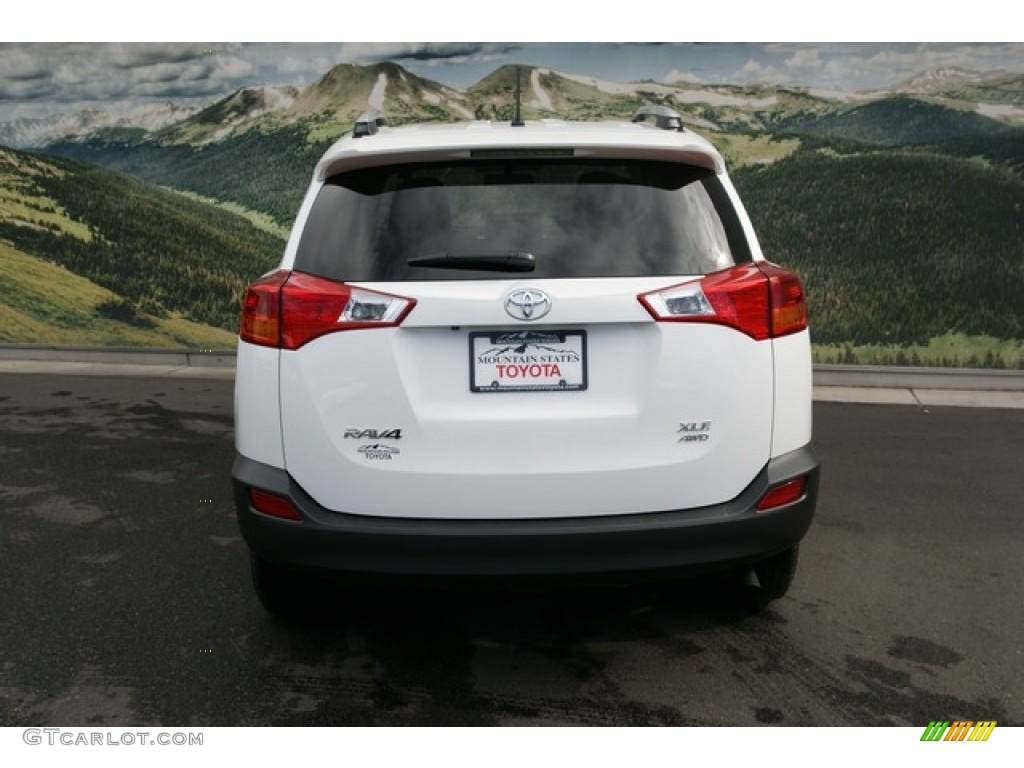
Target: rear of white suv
(523,351)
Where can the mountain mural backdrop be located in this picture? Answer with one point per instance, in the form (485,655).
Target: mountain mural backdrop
(902,209)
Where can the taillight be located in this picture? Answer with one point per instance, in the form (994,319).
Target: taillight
(289,309)
(261,310)
(789,305)
(783,494)
(760,299)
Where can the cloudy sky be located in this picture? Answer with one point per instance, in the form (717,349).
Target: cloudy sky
(40,79)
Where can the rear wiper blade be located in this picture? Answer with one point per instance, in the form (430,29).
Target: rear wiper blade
(496,261)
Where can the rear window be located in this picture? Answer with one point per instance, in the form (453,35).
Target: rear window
(576,218)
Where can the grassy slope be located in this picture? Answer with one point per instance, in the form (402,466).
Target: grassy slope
(89,257)
(44,303)
(740,149)
(159,251)
(950,350)
(24,204)
(259,220)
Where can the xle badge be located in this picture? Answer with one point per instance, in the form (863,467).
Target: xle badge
(694,431)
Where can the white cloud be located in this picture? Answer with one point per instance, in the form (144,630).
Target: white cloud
(65,74)
(71,75)
(18,64)
(296,65)
(233,68)
(756,72)
(804,58)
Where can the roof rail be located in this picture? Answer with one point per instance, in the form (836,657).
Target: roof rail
(367,124)
(664,118)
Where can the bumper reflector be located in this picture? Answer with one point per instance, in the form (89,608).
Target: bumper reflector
(783,494)
(275,506)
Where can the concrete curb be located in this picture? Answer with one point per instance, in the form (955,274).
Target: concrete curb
(206,358)
(918,378)
(876,385)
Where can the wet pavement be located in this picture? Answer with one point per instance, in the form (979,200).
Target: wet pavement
(126,599)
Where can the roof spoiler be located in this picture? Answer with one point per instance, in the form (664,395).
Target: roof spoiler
(367,124)
(664,118)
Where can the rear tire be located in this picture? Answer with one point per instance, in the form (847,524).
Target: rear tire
(775,575)
(286,593)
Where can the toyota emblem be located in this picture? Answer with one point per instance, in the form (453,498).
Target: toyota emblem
(527,304)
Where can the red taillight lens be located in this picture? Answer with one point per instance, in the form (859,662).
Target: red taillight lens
(783,494)
(289,309)
(261,311)
(312,306)
(761,300)
(789,305)
(274,505)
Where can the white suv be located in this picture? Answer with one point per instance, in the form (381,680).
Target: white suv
(506,350)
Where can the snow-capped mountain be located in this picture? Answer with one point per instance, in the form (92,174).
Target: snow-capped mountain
(326,108)
(37,132)
(940,80)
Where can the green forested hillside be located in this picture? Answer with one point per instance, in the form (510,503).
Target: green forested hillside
(1004,150)
(43,303)
(158,252)
(266,172)
(896,122)
(895,246)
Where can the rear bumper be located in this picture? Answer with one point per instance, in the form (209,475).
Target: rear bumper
(707,539)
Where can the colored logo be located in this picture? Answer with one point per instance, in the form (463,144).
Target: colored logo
(959,730)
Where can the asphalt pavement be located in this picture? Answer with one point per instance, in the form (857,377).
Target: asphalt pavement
(126,598)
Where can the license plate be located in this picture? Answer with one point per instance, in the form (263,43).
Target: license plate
(528,361)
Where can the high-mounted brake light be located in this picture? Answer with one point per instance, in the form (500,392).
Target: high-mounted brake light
(760,299)
(289,309)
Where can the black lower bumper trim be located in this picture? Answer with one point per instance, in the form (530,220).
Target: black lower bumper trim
(705,539)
